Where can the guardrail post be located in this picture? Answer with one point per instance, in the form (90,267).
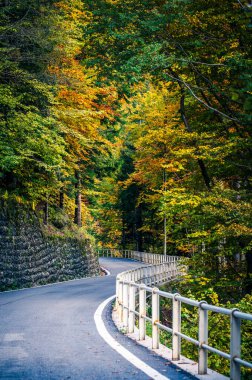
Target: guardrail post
(142,311)
(150,276)
(203,339)
(235,346)
(167,271)
(144,275)
(155,318)
(117,293)
(134,275)
(120,301)
(176,327)
(132,305)
(125,304)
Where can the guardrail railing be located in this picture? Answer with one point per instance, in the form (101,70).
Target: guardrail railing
(139,282)
(146,257)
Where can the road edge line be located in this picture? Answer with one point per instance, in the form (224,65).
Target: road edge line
(154,374)
(106,271)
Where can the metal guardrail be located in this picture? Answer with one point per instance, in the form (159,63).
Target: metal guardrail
(142,280)
(145,257)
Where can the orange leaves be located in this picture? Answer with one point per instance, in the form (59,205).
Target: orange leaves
(70,72)
(79,105)
(74,98)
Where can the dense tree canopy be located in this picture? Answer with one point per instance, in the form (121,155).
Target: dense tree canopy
(134,117)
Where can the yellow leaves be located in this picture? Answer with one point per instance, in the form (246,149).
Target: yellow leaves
(153,104)
(173,167)
(180,196)
(214,298)
(113,1)
(18,199)
(194,19)
(73,10)
(238,230)
(160,140)
(198,234)
(234,44)
(203,280)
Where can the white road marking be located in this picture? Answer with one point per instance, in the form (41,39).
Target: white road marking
(12,337)
(119,348)
(10,353)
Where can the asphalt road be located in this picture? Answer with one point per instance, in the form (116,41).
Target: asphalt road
(49,332)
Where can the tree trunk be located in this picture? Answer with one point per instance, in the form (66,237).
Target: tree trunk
(46,213)
(204,173)
(165,236)
(77,214)
(139,223)
(61,200)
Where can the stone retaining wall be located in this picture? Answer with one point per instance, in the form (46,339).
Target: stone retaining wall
(28,258)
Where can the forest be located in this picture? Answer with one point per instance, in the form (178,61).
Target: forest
(129,122)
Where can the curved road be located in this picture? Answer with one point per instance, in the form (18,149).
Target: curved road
(49,333)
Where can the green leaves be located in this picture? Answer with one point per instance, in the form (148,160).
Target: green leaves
(32,149)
